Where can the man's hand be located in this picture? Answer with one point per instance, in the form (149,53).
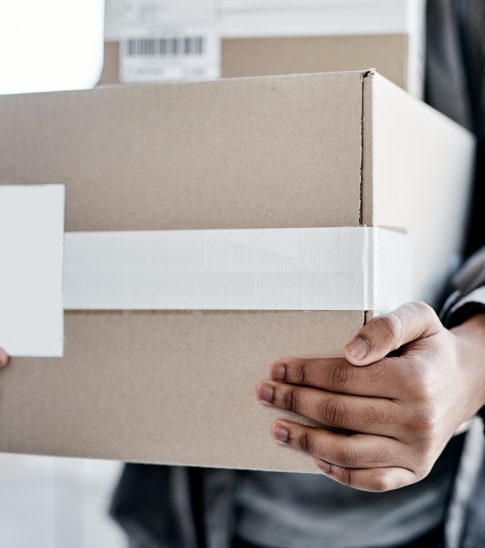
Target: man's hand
(3,358)
(405,387)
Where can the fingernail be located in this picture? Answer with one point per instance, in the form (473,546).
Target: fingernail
(278,372)
(266,392)
(358,348)
(324,466)
(281,433)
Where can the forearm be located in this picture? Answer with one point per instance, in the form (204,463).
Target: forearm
(470,343)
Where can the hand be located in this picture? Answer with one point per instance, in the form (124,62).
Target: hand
(3,357)
(405,387)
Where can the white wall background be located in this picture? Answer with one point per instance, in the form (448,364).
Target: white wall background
(50,44)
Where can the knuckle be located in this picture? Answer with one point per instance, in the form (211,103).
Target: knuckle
(425,460)
(389,325)
(305,441)
(380,482)
(424,471)
(340,375)
(298,371)
(424,309)
(334,412)
(336,375)
(290,400)
(423,422)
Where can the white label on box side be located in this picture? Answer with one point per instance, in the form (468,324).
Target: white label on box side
(162,40)
(349,268)
(31,255)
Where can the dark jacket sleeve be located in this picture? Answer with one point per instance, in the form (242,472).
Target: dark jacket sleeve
(468,297)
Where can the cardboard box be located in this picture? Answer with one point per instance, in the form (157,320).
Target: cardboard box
(287,37)
(322,150)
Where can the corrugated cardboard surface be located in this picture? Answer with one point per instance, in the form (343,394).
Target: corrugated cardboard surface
(299,54)
(251,153)
(265,152)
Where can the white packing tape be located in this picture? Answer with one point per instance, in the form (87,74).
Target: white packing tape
(349,268)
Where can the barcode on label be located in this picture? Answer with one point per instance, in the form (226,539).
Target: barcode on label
(166,46)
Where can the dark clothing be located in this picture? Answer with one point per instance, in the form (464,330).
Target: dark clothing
(432,539)
(455,84)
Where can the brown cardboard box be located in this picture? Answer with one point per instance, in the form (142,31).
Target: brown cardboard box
(336,149)
(264,38)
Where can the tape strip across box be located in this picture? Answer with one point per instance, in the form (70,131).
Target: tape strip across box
(347,268)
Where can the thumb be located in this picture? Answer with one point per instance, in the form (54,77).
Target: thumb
(3,358)
(383,334)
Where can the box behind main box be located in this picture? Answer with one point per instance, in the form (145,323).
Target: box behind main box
(260,38)
(291,151)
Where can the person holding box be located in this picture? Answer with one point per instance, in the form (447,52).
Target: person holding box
(397,472)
